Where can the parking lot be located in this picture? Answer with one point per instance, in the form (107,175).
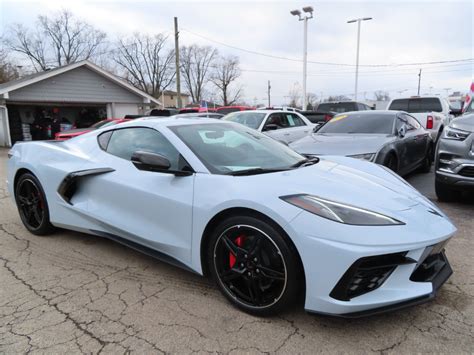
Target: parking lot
(77,293)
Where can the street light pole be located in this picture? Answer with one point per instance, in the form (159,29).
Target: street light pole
(308,10)
(358,20)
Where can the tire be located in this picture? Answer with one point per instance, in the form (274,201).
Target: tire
(428,161)
(391,162)
(254,265)
(32,205)
(445,193)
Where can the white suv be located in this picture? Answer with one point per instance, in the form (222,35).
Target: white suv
(284,126)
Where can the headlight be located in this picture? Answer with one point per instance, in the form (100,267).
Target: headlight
(455,134)
(339,212)
(368,156)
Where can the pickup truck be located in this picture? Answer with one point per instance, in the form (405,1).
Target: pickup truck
(432,112)
(327,110)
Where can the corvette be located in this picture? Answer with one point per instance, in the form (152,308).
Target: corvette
(218,198)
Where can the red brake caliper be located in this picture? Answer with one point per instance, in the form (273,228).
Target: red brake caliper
(239,241)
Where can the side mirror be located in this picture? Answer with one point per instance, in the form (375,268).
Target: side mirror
(154,162)
(270,127)
(402,131)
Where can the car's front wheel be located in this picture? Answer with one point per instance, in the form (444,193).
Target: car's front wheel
(254,265)
(32,205)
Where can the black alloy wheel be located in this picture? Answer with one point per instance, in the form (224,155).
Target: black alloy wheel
(254,267)
(32,205)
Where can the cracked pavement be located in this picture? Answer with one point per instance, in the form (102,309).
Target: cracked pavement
(76,293)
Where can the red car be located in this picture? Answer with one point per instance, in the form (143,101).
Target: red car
(228,109)
(62,136)
(196,110)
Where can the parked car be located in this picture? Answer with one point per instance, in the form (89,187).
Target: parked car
(196,109)
(394,139)
(318,116)
(342,106)
(221,199)
(454,163)
(224,110)
(283,126)
(281,108)
(61,136)
(432,112)
(199,114)
(163,112)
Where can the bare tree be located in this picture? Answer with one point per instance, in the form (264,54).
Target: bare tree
(333,98)
(56,41)
(196,63)
(146,63)
(8,70)
(381,95)
(226,71)
(294,95)
(311,100)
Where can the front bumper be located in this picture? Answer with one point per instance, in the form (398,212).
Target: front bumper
(329,250)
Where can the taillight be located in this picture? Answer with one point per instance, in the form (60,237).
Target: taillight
(327,117)
(429,122)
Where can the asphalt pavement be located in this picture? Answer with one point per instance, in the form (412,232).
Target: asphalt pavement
(76,293)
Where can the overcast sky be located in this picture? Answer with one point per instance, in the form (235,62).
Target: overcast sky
(400,32)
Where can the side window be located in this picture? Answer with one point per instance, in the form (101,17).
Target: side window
(294,120)
(411,123)
(414,122)
(124,142)
(276,119)
(104,139)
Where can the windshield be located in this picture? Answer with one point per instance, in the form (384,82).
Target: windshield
(225,148)
(360,123)
(417,105)
(250,119)
(337,107)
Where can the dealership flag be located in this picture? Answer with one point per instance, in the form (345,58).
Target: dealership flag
(203,104)
(469,96)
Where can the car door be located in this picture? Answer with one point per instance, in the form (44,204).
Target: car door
(420,137)
(276,127)
(150,208)
(405,144)
(298,127)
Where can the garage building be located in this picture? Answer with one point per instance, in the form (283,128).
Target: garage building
(76,95)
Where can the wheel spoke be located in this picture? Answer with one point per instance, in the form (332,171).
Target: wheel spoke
(255,292)
(231,246)
(254,249)
(37,216)
(230,275)
(271,274)
(23,200)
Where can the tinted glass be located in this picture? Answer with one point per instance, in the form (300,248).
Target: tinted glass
(124,142)
(416,105)
(337,107)
(250,119)
(226,147)
(360,123)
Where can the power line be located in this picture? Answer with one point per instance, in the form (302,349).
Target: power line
(322,63)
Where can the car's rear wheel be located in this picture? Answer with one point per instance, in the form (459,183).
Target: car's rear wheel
(254,265)
(391,162)
(32,205)
(445,192)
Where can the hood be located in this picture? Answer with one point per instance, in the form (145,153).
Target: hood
(349,181)
(465,123)
(341,144)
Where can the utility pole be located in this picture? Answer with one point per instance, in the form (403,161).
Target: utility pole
(176,51)
(419,82)
(268,91)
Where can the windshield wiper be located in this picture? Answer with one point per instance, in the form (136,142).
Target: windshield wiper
(253,171)
(306,162)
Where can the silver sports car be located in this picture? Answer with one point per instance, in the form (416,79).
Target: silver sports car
(394,139)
